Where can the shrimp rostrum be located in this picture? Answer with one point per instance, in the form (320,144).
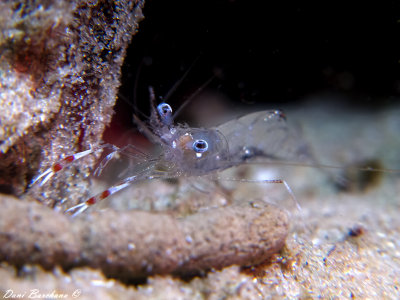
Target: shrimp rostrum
(185,151)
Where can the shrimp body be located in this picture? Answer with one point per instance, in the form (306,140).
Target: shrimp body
(196,151)
(187,151)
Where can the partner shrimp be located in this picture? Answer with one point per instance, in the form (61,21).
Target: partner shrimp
(189,152)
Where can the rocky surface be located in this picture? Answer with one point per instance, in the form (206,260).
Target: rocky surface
(60,71)
(59,76)
(136,244)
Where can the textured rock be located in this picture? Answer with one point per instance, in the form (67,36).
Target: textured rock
(31,233)
(60,69)
(136,244)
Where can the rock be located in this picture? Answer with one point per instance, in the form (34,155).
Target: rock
(136,244)
(59,76)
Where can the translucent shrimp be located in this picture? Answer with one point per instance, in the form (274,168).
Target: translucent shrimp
(263,134)
(187,151)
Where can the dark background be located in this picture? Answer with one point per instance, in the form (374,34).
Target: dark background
(274,52)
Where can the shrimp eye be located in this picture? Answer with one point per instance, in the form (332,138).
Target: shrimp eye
(200,146)
(164,109)
(165,112)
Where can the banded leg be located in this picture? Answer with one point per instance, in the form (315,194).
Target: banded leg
(58,166)
(77,209)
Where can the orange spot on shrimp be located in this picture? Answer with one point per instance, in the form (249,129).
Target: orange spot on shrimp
(105,194)
(184,140)
(57,167)
(91,201)
(69,159)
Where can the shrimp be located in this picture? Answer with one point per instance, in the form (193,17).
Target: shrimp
(185,151)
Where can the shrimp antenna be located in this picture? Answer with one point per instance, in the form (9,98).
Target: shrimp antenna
(192,96)
(324,166)
(175,86)
(153,103)
(146,61)
(133,103)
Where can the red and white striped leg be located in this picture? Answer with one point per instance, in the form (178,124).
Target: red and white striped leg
(77,209)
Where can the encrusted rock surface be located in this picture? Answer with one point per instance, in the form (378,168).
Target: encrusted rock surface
(59,70)
(136,244)
(59,75)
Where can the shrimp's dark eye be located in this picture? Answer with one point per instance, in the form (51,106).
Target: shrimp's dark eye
(200,146)
(165,112)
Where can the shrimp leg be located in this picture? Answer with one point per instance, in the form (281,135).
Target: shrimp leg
(79,208)
(61,164)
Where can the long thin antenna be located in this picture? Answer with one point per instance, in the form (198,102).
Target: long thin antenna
(147,61)
(192,96)
(175,86)
(133,103)
(135,85)
(323,166)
